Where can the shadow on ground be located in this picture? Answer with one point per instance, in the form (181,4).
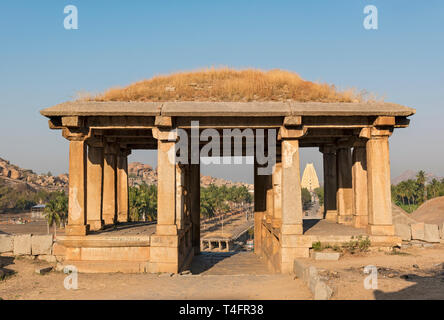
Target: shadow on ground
(207,260)
(4,262)
(427,287)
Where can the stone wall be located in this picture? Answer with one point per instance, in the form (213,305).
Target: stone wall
(39,246)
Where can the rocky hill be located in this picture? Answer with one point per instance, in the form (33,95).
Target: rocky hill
(410,174)
(138,173)
(142,173)
(14,175)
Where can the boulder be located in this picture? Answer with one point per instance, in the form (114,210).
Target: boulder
(41,244)
(441,231)
(404,231)
(22,244)
(418,231)
(6,243)
(431,233)
(332,256)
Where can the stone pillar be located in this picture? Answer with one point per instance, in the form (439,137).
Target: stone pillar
(378,175)
(292,213)
(109,184)
(195,205)
(94,187)
(360,199)
(122,186)
(166,186)
(164,249)
(291,188)
(330,183)
(345,185)
(77,189)
(260,207)
(180,196)
(277,195)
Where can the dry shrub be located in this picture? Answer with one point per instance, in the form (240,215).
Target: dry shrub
(225,84)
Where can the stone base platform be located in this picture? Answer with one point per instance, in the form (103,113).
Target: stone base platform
(325,232)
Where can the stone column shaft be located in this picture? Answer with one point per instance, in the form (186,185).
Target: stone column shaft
(379,193)
(122,188)
(260,207)
(94,187)
(195,205)
(330,186)
(109,209)
(277,194)
(77,189)
(345,186)
(166,185)
(291,188)
(360,199)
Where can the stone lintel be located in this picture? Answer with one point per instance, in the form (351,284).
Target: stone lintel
(76,134)
(373,132)
(72,121)
(286,133)
(163,122)
(165,134)
(384,121)
(292,121)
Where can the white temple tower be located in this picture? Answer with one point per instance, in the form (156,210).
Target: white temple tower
(310,178)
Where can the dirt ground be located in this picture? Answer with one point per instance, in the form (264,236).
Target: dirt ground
(416,272)
(412,273)
(231,284)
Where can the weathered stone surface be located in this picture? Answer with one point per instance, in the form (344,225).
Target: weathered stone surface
(41,244)
(404,231)
(332,256)
(47,257)
(418,231)
(431,233)
(43,270)
(309,274)
(6,243)
(441,231)
(22,244)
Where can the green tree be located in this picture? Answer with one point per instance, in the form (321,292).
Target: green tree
(56,211)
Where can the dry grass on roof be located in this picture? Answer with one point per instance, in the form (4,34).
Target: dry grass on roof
(226,84)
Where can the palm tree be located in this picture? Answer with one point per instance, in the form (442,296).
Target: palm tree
(56,211)
(421,179)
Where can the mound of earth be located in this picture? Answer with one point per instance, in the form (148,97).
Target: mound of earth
(400,216)
(432,211)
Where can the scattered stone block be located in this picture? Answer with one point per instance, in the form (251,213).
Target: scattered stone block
(59,267)
(331,256)
(22,244)
(47,257)
(41,244)
(431,233)
(322,291)
(6,243)
(43,270)
(418,231)
(309,274)
(404,231)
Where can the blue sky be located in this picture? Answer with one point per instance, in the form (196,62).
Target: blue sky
(119,42)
